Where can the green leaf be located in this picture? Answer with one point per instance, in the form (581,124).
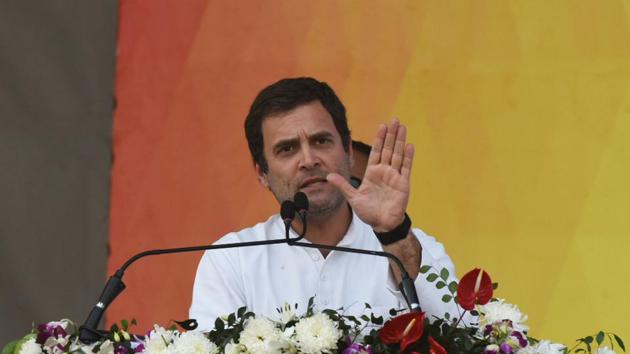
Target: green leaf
(495,286)
(620,342)
(10,347)
(431,277)
(392,312)
(124,324)
(241,311)
(447,298)
(452,287)
(444,274)
(580,350)
(231,319)
(367,306)
(14,347)
(588,340)
(599,338)
(440,284)
(425,269)
(376,320)
(468,345)
(365,318)
(218,324)
(353,319)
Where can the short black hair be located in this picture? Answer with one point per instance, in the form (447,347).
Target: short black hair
(284,96)
(361,147)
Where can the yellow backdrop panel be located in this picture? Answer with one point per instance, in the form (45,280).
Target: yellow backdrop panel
(519,110)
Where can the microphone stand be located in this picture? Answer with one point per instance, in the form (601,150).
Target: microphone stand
(406,286)
(88,332)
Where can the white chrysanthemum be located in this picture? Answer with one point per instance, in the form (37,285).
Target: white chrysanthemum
(158,340)
(287,313)
(233,348)
(192,343)
(30,347)
(317,334)
(543,347)
(106,348)
(496,311)
(604,350)
(258,333)
(77,347)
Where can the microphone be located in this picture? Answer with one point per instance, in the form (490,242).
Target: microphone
(301,205)
(406,286)
(287,213)
(89,333)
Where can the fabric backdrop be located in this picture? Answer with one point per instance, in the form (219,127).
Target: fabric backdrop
(519,111)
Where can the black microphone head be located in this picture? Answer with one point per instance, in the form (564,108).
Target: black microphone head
(301,202)
(287,211)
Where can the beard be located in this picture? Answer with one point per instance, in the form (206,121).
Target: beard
(324,199)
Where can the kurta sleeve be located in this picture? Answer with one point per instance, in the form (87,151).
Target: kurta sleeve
(434,255)
(218,289)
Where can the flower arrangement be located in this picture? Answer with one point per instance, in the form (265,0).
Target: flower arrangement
(485,325)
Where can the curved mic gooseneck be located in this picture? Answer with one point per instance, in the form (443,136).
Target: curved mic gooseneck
(407,286)
(88,332)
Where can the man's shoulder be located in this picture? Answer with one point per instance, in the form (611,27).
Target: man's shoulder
(267,230)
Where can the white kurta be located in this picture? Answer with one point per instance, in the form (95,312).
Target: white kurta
(264,277)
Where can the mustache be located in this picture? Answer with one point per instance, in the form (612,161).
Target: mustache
(311,175)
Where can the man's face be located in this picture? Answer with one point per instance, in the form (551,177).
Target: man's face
(301,147)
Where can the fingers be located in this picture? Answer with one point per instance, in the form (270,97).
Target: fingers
(390,140)
(399,147)
(346,188)
(377,145)
(390,148)
(405,171)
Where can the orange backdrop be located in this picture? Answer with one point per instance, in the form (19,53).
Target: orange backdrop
(519,110)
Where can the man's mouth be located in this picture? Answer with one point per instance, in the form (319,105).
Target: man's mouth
(311,181)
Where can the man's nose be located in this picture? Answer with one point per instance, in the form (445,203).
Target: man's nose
(309,157)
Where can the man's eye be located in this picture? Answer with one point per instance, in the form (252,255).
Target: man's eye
(322,141)
(285,149)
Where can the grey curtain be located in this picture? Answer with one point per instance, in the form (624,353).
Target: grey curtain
(56,104)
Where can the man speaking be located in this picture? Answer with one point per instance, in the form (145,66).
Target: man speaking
(299,139)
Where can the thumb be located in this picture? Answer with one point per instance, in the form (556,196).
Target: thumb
(346,188)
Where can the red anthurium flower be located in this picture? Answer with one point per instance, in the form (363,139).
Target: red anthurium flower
(404,329)
(474,288)
(435,347)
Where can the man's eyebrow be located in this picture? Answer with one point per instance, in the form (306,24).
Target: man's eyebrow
(285,142)
(320,135)
(295,141)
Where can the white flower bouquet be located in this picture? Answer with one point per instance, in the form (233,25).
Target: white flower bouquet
(492,326)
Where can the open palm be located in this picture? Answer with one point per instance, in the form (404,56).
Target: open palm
(381,200)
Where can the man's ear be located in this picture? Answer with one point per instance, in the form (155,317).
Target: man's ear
(262,176)
(350,154)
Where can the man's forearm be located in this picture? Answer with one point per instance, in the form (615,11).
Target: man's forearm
(409,251)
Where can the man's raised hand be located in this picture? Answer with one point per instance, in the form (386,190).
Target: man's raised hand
(381,200)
